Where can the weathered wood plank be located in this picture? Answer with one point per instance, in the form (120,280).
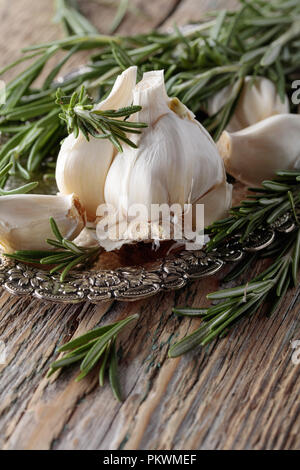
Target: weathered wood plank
(21,26)
(238,393)
(190,11)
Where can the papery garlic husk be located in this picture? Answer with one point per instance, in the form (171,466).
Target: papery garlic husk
(87,238)
(258,100)
(82,165)
(255,154)
(176,162)
(25,225)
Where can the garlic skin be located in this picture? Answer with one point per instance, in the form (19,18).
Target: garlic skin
(216,202)
(176,161)
(258,100)
(82,166)
(254,154)
(87,237)
(24,220)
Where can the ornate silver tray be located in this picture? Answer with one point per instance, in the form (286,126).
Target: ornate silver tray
(114,279)
(163,272)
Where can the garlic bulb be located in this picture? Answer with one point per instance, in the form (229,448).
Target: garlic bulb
(24,220)
(82,166)
(257,152)
(176,161)
(258,100)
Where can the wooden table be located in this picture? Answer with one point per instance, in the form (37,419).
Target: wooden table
(238,393)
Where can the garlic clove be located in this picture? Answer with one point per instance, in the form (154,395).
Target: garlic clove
(216,202)
(83,169)
(87,237)
(258,100)
(121,93)
(176,161)
(254,154)
(24,220)
(82,166)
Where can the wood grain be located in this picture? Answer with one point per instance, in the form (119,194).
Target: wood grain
(238,393)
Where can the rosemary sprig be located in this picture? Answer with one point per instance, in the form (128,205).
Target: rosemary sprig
(259,38)
(96,347)
(4,172)
(269,202)
(68,256)
(80,115)
(122,9)
(275,198)
(272,284)
(67,13)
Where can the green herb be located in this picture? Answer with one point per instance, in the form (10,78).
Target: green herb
(260,38)
(96,347)
(244,300)
(67,13)
(66,258)
(4,172)
(120,15)
(274,199)
(79,114)
(122,7)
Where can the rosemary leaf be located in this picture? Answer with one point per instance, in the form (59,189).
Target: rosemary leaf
(97,350)
(100,345)
(103,366)
(113,372)
(190,312)
(79,114)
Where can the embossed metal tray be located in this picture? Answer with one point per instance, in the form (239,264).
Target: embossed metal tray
(135,272)
(125,275)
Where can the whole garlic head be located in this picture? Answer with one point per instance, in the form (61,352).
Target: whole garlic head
(255,154)
(258,100)
(82,166)
(176,161)
(24,220)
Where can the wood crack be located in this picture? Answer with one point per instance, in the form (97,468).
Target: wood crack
(237,393)
(170,13)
